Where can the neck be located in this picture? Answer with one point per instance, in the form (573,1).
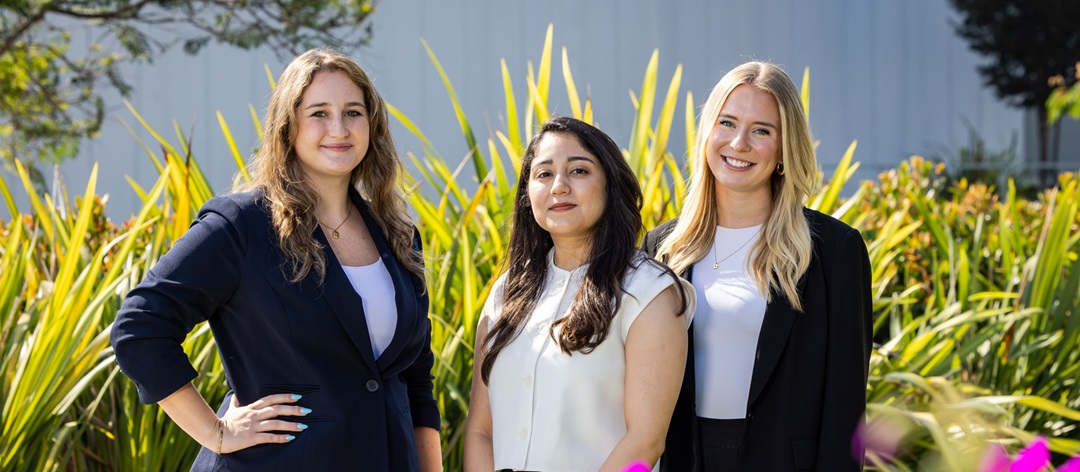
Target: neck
(333,205)
(742,210)
(571,252)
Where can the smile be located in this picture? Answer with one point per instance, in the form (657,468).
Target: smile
(561,206)
(338,147)
(731,161)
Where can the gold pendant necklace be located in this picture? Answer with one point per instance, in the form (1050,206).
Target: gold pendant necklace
(334,231)
(716,263)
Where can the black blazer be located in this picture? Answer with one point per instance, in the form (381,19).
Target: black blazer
(279,337)
(808,388)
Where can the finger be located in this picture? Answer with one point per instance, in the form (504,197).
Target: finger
(281,425)
(275,399)
(282,410)
(263,438)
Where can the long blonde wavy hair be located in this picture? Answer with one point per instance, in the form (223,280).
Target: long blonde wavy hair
(276,170)
(782,254)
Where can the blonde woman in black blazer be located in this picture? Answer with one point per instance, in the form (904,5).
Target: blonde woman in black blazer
(804,379)
(324,374)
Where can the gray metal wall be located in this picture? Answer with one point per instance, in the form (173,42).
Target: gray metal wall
(890,74)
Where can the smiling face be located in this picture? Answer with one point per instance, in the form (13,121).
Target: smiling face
(332,127)
(744,144)
(566,187)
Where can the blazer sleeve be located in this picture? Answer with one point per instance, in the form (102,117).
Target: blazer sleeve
(418,378)
(199,272)
(847,353)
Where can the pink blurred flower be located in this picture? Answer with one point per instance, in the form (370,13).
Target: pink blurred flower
(995,460)
(1033,458)
(1073,465)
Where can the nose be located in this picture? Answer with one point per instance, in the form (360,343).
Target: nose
(559,185)
(741,142)
(337,128)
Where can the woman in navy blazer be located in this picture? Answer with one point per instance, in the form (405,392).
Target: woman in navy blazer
(780,343)
(326,373)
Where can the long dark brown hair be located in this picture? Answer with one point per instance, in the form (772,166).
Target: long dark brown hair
(598,299)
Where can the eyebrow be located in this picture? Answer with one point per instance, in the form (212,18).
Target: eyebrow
(347,105)
(762,123)
(569,159)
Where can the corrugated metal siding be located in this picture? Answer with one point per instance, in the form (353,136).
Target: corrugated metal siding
(890,74)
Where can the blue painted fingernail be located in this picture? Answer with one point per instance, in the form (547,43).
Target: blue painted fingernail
(297,397)
(305,410)
(301,425)
(290,437)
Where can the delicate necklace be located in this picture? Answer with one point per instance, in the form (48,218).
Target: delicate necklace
(333,231)
(716,263)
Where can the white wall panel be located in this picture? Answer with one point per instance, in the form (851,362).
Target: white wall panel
(891,74)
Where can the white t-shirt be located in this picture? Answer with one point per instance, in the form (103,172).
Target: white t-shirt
(556,412)
(726,325)
(376,289)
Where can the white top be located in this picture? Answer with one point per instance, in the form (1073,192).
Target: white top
(727,325)
(376,289)
(556,412)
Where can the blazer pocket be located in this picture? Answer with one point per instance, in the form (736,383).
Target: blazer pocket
(298,389)
(804,453)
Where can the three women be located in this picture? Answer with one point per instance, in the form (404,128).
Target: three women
(312,282)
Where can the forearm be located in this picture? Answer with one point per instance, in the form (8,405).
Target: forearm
(187,408)
(635,447)
(479,455)
(428,448)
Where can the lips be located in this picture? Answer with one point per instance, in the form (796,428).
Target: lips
(737,163)
(337,147)
(561,206)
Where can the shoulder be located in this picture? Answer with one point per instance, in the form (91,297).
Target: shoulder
(654,238)
(644,281)
(242,211)
(832,237)
(233,206)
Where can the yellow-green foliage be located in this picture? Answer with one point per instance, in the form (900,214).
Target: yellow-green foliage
(975,292)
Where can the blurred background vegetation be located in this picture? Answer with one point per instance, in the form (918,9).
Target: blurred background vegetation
(975,288)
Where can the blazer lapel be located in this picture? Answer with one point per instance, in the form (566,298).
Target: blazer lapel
(775,329)
(346,304)
(404,291)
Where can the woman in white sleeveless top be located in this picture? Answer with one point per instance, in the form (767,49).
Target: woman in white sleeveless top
(582,343)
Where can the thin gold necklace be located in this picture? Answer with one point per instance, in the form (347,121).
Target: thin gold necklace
(716,263)
(333,231)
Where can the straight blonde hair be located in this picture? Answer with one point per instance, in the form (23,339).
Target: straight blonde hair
(275,169)
(782,254)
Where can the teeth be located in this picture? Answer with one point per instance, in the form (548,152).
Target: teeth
(736,162)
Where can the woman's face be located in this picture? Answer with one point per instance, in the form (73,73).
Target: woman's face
(566,187)
(332,126)
(744,144)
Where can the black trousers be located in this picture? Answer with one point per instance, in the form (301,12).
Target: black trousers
(721,441)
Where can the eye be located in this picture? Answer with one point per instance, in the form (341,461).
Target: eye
(726,123)
(319,114)
(540,174)
(579,171)
(763,132)
(354,113)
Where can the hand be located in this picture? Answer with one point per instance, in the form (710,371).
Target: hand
(246,426)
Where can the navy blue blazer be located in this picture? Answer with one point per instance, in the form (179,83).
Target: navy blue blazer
(279,337)
(808,387)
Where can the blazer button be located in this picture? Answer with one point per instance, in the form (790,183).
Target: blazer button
(750,416)
(372,385)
